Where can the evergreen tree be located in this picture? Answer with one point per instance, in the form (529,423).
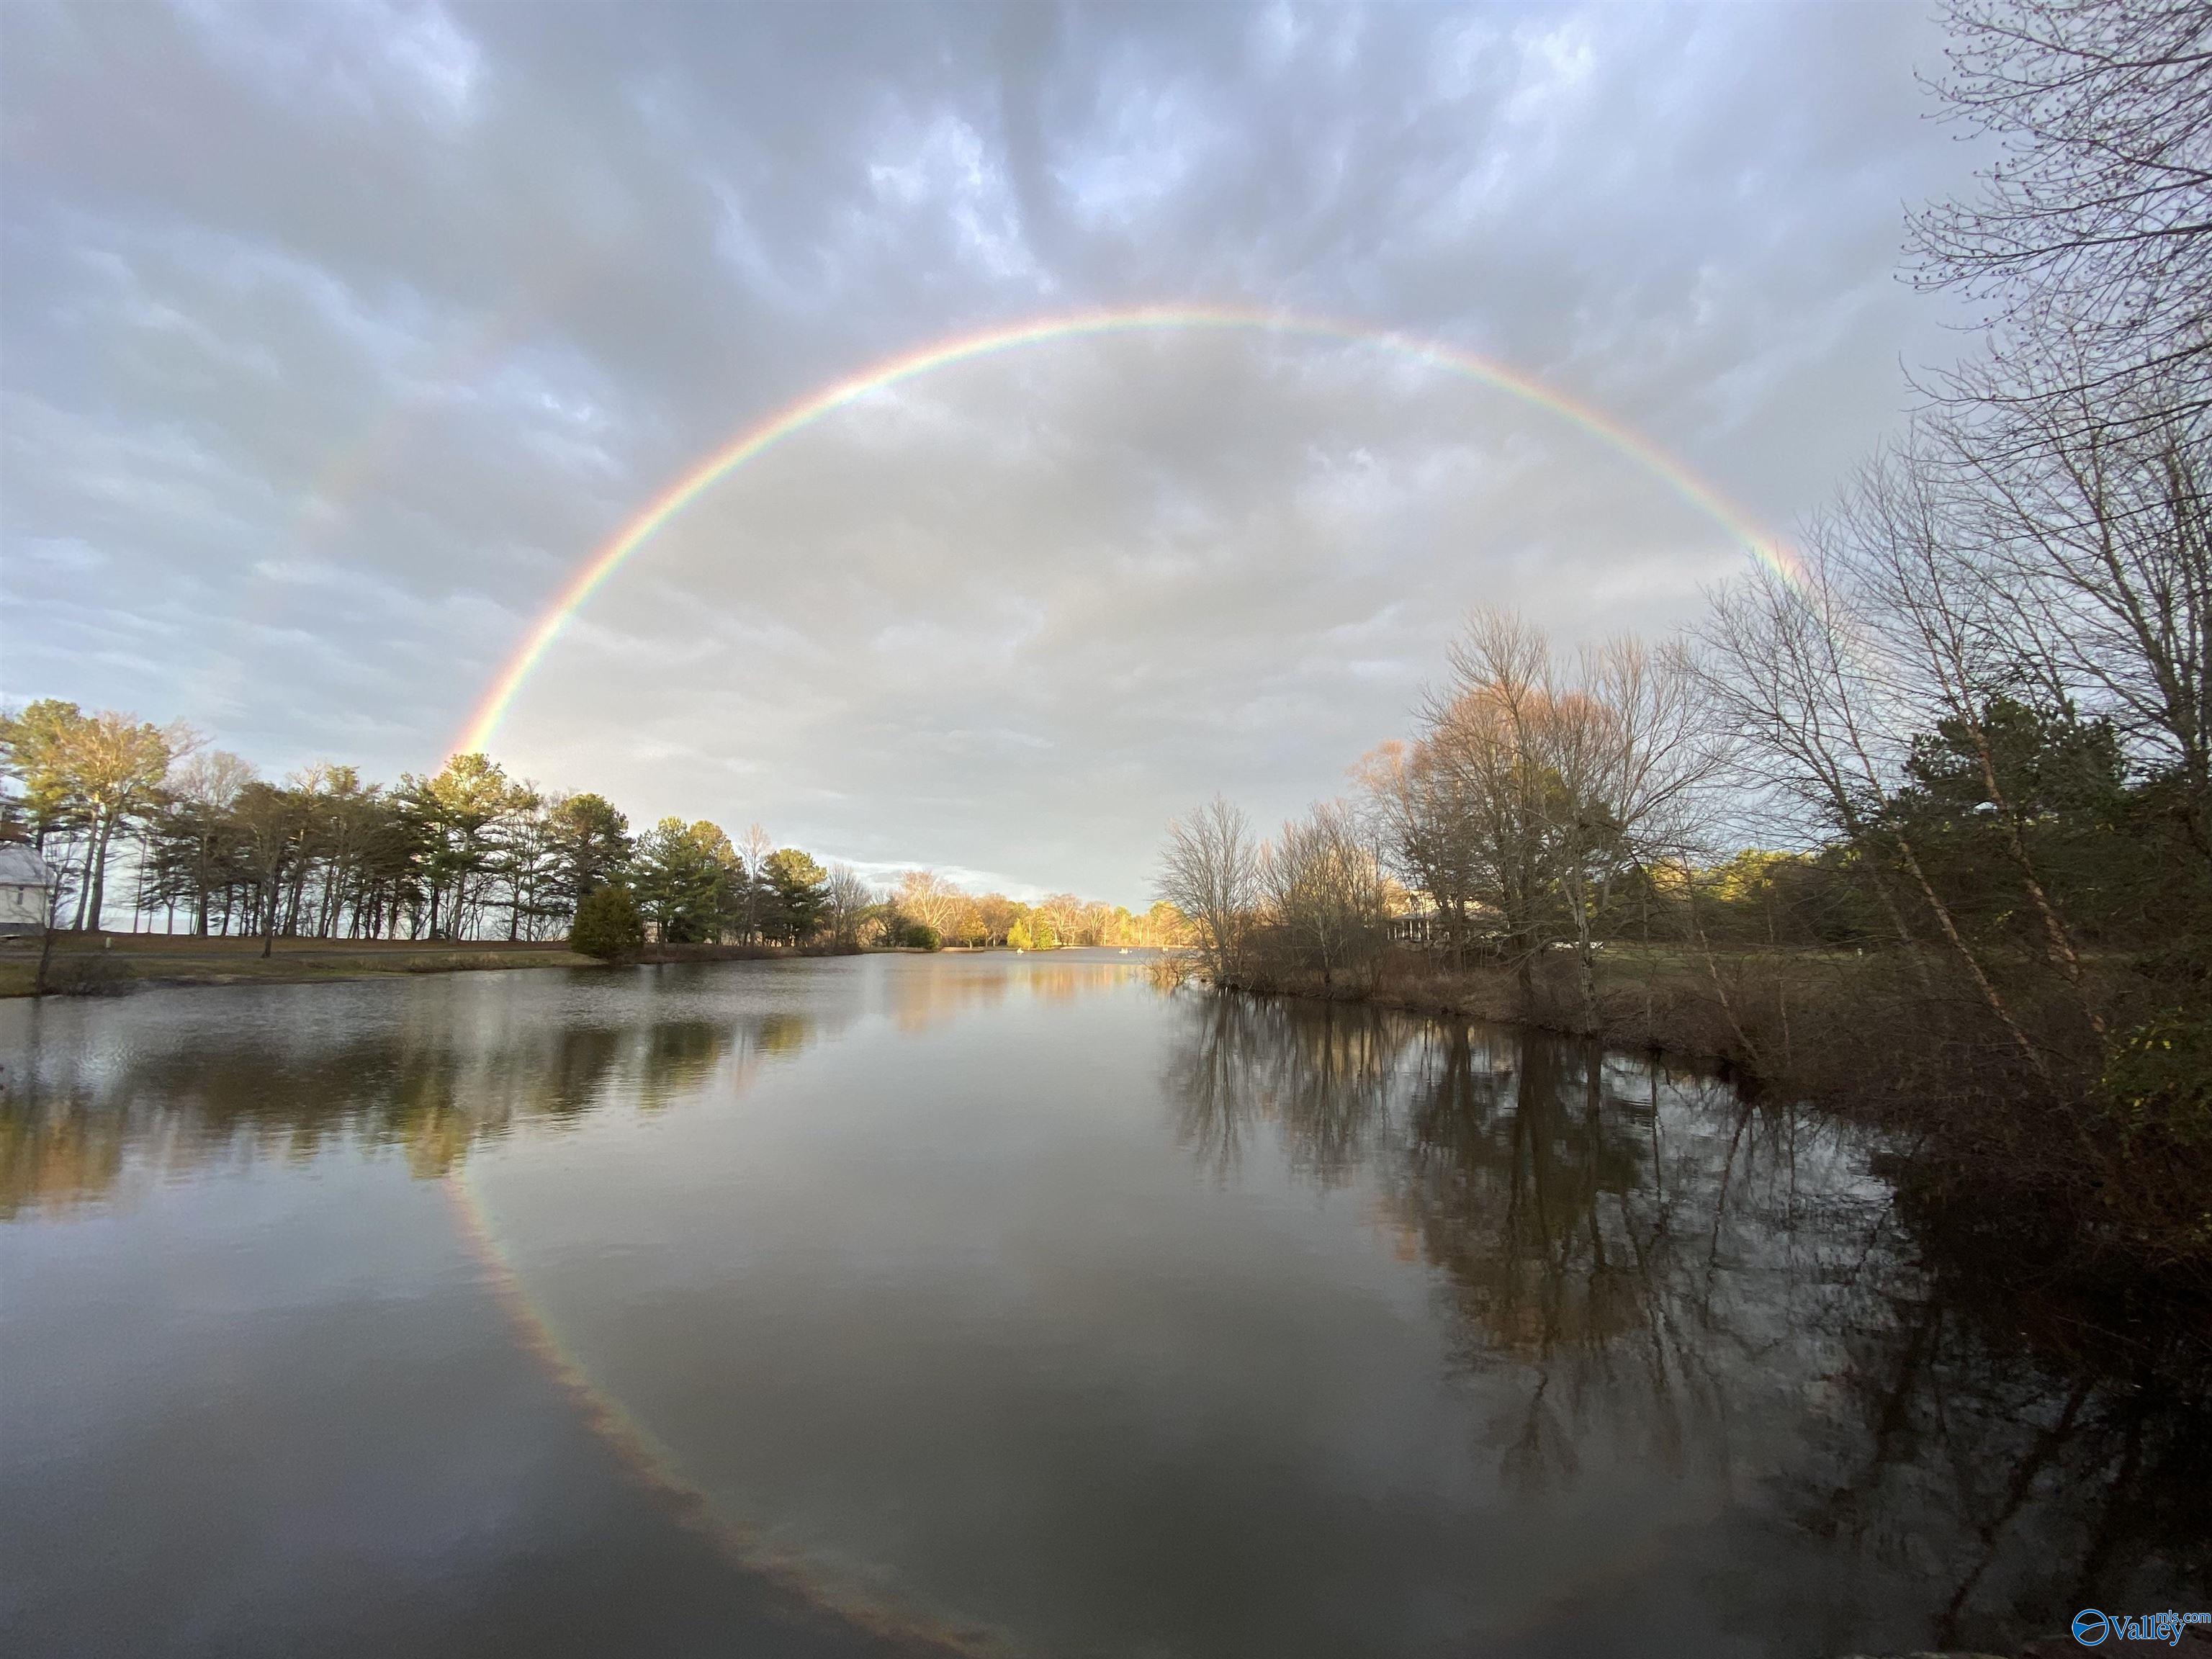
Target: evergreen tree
(682,880)
(797,896)
(590,845)
(607,924)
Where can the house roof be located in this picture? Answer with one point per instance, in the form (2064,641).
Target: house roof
(21,867)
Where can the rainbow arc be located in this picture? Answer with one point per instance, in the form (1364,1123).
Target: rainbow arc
(484,720)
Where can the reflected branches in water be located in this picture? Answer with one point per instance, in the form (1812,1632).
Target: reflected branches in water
(1321,1076)
(171,1082)
(1642,1269)
(171,1096)
(921,993)
(2009,1429)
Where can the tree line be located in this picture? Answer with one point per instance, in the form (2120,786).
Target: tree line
(184,838)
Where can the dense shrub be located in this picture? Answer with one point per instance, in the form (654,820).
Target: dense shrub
(2155,1125)
(1033,933)
(608,925)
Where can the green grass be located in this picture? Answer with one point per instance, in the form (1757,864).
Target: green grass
(91,963)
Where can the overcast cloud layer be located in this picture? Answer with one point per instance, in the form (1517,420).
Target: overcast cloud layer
(332,340)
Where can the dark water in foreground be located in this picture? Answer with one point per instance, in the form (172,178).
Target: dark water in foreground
(1003,1304)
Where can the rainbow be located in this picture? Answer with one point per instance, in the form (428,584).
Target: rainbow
(652,1465)
(795,417)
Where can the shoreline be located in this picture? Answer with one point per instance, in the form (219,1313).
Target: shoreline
(113,964)
(107,963)
(1679,1024)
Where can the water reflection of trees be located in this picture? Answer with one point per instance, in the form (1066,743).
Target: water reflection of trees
(1643,1264)
(95,1091)
(921,993)
(2009,1429)
(76,1114)
(1574,1237)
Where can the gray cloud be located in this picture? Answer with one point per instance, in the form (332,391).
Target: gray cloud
(331,338)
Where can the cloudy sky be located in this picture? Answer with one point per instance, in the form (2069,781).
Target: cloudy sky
(334,339)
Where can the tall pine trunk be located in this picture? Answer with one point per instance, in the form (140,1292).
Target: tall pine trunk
(96,858)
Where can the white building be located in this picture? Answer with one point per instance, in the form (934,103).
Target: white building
(26,879)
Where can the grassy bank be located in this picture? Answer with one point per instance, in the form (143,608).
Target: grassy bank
(91,964)
(87,964)
(1758,1015)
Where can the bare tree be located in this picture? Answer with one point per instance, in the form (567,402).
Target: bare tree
(1483,731)
(2090,232)
(2098,546)
(1423,813)
(1825,725)
(1532,790)
(1072,921)
(1325,884)
(1210,871)
(925,896)
(210,778)
(1643,756)
(847,901)
(755,849)
(1939,606)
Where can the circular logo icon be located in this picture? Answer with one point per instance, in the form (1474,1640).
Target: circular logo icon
(2091,1627)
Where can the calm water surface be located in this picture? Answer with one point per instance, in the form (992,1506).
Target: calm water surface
(1003,1304)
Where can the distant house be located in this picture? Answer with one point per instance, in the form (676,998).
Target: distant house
(26,880)
(1420,924)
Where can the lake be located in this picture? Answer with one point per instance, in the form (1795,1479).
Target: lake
(1010,1304)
